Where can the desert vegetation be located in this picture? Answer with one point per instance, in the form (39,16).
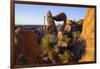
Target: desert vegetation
(51,43)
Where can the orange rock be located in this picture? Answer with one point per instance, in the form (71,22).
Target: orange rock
(88,34)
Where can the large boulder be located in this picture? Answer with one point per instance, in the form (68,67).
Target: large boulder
(61,17)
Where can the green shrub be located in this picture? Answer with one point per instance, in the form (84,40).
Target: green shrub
(65,57)
(75,35)
(48,42)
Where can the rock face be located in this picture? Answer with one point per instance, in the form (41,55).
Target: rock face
(26,48)
(51,27)
(88,34)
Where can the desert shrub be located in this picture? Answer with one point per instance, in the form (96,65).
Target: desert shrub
(75,35)
(65,57)
(71,54)
(64,41)
(48,41)
(65,38)
(78,49)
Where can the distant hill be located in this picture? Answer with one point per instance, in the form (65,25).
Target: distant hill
(29,27)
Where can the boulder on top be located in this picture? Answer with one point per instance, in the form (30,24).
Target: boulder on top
(61,17)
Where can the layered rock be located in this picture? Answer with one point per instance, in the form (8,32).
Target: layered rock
(88,34)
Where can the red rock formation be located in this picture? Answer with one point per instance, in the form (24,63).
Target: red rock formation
(27,48)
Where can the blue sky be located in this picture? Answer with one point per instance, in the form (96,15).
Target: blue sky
(26,14)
